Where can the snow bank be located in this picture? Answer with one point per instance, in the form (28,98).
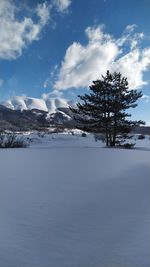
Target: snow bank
(74,207)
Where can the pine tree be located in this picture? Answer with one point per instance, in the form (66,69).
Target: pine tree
(104,109)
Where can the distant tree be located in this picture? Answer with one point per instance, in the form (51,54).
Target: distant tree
(103,110)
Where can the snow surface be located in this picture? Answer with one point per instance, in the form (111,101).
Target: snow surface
(68,201)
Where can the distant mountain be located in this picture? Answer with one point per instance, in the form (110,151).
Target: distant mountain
(16,120)
(143,130)
(26,113)
(50,105)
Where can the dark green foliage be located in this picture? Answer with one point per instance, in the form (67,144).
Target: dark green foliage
(103,110)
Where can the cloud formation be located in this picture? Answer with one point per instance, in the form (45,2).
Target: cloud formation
(16,34)
(62,5)
(84,63)
(146,98)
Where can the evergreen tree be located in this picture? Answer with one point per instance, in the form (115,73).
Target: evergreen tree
(103,110)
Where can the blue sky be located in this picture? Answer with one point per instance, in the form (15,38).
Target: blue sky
(58,47)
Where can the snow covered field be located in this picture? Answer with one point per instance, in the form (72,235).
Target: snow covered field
(67,201)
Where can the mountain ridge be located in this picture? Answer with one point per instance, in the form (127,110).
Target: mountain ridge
(48,104)
(23,113)
(27,113)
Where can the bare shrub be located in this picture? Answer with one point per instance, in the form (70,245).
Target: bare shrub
(83,134)
(11,140)
(128,145)
(141,137)
(99,137)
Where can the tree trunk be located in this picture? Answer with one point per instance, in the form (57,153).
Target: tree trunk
(107,138)
(114,136)
(110,138)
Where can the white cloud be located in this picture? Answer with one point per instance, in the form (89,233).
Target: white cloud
(49,81)
(16,34)
(43,11)
(62,5)
(130,28)
(146,98)
(53,94)
(130,37)
(84,63)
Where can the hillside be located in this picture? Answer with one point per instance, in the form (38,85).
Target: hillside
(34,119)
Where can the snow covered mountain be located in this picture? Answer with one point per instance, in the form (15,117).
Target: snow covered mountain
(25,113)
(50,105)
